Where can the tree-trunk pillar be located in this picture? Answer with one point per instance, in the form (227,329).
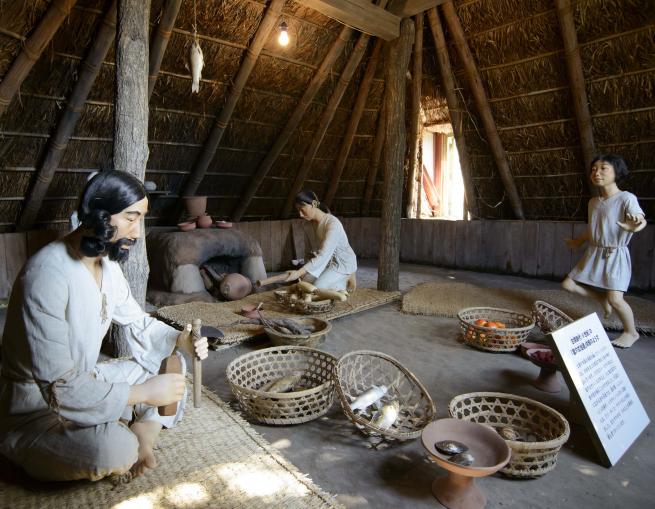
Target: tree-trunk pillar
(414,176)
(397,53)
(131,127)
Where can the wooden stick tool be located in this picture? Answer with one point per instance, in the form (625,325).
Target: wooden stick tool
(197,363)
(273,279)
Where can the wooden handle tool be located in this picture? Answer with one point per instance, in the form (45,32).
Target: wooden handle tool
(273,279)
(197,363)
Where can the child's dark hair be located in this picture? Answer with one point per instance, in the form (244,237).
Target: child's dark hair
(106,194)
(617,162)
(309,197)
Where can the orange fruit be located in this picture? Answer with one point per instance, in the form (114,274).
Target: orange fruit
(481,322)
(500,325)
(492,325)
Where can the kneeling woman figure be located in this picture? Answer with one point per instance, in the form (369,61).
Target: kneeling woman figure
(335,264)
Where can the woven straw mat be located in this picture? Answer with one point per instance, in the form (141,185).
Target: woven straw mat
(212,459)
(219,314)
(446,299)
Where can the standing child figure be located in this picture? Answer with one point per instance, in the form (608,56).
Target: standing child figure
(604,271)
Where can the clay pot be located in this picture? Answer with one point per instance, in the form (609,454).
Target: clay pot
(195,205)
(223,224)
(204,221)
(235,286)
(187,226)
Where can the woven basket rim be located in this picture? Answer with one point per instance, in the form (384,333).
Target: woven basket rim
(279,395)
(513,329)
(345,405)
(537,303)
(526,446)
(325,330)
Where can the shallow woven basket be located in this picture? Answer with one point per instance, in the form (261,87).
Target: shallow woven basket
(359,370)
(529,459)
(517,328)
(308,308)
(311,340)
(548,317)
(248,372)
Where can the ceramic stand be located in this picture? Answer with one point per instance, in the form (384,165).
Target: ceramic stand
(458,492)
(547,380)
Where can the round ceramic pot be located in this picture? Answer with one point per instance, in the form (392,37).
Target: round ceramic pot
(204,221)
(235,286)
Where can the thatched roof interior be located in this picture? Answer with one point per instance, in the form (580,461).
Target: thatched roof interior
(517,45)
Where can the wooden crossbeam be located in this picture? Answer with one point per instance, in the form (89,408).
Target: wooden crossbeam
(396,61)
(413,201)
(576,82)
(324,121)
(160,40)
(355,117)
(454,109)
(408,8)
(269,21)
(372,176)
(359,14)
(310,92)
(32,49)
(482,104)
(89,69)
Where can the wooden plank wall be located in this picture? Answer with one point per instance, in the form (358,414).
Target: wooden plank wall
(526,248)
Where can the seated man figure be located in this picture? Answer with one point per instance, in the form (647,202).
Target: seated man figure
(64,415)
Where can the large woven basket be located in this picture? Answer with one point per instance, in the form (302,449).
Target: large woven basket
(529,459)
(357,371)
(517,328)
(247,373)
(548,317)
(299,306)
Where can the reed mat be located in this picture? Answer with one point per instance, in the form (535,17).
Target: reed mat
(446,299)
(222,314)
(212,459)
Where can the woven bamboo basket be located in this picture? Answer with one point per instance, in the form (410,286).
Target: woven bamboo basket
(517,328)
(315,394)
(299,306)
(529,459)
(548,317)
(311,340)
(357,371)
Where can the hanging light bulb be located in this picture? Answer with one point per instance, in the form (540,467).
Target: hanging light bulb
(283,38)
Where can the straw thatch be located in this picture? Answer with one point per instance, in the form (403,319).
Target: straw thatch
(517,47)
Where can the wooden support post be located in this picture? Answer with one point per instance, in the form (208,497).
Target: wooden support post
(480,99)
(576,82)
(160,41)
(324,121)
(413,198)
(89,69)
(372,176)
(355,117)
(454,110)
(396,61)
(131,129)
(214,139)
(311,91)
(32,49)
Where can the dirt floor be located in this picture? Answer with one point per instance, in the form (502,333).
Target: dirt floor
(342,462)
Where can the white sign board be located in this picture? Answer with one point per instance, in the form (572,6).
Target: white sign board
(595,373)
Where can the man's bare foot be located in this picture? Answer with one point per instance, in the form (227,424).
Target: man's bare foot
(626,340)
(147,433)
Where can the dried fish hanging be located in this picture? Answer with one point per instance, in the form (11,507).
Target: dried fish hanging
(195,55)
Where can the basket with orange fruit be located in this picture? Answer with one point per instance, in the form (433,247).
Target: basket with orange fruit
(494,329)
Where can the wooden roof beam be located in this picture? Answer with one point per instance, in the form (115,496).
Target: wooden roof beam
(372,176)
(355,117)
(324,122)
(160,41)
(413,200)
(310,92)
(576,81)
(454,109)
(32,49)
(89,69)
(484,110)
(269,21)
(359,14)
(408,8)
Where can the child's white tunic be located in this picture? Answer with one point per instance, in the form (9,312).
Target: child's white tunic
(606,262)
(50,373)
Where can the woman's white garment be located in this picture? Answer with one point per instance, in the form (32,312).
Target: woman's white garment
(60,408)
(335,260)
(606,262)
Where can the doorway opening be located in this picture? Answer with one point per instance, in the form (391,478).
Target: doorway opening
(442,187)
